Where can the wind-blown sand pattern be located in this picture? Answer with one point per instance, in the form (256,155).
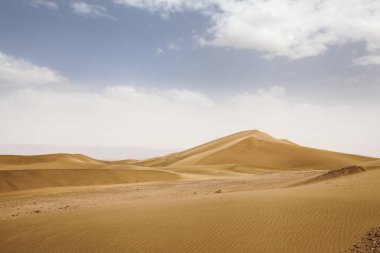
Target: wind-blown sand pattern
(229,195)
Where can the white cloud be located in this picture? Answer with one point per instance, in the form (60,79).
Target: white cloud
(51,4)
(367,60)
(19,71)
(297,29)
(289,28)
(159,51)
(90,10)
(127,116)
(173,47)
(166,5)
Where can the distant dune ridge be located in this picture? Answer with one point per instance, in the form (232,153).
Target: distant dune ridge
(102,153)
(9,160)
(244,152)
(58,170)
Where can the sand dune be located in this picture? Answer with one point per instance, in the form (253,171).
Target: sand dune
(255,149)
(211,146)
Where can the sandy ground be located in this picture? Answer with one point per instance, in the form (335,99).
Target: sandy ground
(255,214)
(23,203)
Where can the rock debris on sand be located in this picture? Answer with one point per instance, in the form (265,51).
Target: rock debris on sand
(337,173)
(370,242)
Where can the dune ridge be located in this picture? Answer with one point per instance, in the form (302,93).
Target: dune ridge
(31,159)
(49,161)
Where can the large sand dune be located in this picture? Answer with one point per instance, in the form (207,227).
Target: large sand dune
(255,149)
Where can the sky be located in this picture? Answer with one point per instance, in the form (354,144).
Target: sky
(175,73)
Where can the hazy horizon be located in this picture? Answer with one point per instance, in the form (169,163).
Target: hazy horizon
(167,74)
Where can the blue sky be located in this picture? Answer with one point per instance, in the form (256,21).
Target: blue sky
(303,70)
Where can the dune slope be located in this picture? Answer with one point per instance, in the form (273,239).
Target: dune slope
(14,180)
(371,164)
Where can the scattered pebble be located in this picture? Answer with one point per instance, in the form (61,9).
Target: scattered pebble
(65,207)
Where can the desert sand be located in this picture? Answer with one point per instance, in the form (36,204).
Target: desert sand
(247,192)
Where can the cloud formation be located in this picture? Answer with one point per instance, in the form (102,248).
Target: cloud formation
(281,28)
(19,71)
(90,10)
(51,4)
